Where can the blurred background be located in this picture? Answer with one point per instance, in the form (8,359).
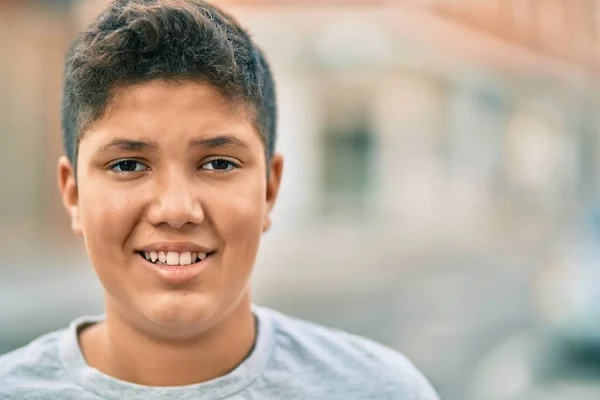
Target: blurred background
(440,192)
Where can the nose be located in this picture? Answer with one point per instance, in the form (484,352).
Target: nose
(176,204)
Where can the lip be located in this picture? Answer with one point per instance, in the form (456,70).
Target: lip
(179,273)
(177,247)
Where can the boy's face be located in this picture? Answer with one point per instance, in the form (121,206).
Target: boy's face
(171,168)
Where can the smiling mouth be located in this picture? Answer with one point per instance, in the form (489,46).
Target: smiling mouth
(172,258)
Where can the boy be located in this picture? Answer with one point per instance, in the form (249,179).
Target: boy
(170,174)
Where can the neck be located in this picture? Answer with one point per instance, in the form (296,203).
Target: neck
(125,352)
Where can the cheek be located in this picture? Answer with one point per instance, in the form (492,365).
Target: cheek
(107,216)
(239,221)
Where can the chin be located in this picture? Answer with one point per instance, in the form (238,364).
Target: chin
(182,313)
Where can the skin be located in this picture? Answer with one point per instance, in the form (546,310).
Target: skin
(156,332)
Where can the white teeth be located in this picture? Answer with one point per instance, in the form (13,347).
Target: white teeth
(185,258)
(172,258)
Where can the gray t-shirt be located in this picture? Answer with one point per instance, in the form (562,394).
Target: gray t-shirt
(291,360)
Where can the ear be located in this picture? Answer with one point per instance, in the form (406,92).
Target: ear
(67,185)
(273,183)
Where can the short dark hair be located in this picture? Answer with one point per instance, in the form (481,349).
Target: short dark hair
(136,41)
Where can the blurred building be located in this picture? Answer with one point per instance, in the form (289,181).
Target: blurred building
(33,39)
(426,121)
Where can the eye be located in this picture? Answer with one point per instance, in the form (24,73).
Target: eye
(128,166)
(220,165)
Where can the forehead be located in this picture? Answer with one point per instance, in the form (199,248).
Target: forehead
(166,109)
(179,94)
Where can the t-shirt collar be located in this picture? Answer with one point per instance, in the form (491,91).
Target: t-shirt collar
(108,387)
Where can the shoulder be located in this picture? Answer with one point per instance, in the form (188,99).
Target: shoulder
(40,353)
(340,356)
(29,365)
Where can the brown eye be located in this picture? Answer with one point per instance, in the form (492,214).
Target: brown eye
(219,165)
(128,166)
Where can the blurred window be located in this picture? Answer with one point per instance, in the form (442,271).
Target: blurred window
(348,145)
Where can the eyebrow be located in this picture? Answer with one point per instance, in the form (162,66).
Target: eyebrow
(126,145)
(218,141)
(120,144)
